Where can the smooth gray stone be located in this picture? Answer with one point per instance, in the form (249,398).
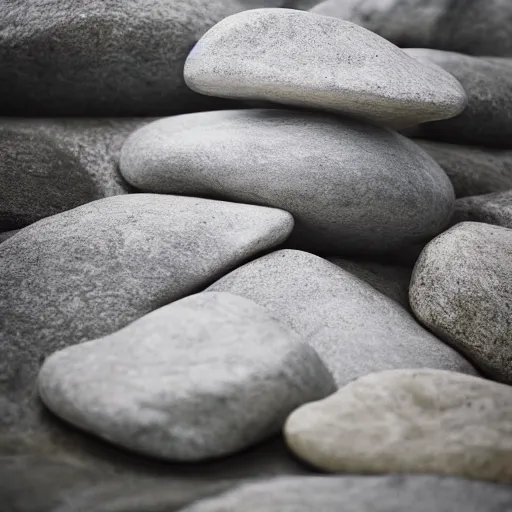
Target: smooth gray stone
(395,493)
(353,327)
(204,377)
(390,280)
(324,170)
(90,271)
(478,27)
(409,421)
(287,56)
(487,118)
(102,57)
(48,166)
(461,289)
(489,208)
(7,234)
(472,170)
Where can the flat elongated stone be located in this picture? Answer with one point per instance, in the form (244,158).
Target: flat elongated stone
(261,54)
(489,208)
(354,328)
(461,289)
(48,166)
(397,493)
(409,421)
(487,118)
(203,377)
(472,170)
(88,272)
(323,170)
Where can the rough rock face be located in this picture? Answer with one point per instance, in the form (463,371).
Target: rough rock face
(409,421)
(354,328)
(48,166)
(102,57)
(479,27)
(461,289)
(487,118)
(262,55)
(397,493)
(324,170)
(206,376)
(489,208)
(472,170)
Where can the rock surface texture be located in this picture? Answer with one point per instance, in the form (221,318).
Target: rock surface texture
(409,421)
(461,289)
(323,170)
(203,377)
(48,166)
(261,55)
(489,208)
(479,27)
(353,327)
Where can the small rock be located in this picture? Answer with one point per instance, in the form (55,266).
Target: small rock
(409,421)
(90,271)
(487,118)
(479,27)
(48,166)
(396,493)
(461,289)
(354,328)
(323,170)
(203,377)
(472,170)
(489,208)
(287,56)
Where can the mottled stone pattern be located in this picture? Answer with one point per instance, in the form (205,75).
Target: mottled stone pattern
(323,170)
(366,76)
(489,208)
(409,421)
(461,289)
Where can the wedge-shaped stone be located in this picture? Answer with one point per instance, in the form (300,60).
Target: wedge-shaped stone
(353,327)
(351,187)
(90,271)
(461,289)
(302,59)
(409,421)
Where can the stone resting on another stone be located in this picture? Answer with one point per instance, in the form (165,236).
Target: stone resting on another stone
(302,59)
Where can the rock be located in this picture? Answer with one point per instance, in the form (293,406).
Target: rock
(489,208)
(409,421)
(203,377)
(323,170)
(487,118)
(397,493)
(90,271)
(461,289)
(97,58)
(353,327)
(390,280)
(287,56)
(472,170)
(48,166)
(7,234)
(481,27)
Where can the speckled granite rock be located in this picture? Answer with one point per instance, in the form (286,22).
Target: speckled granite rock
(397,493)
(287,56)
(489,208)
(461,289)
(472,170)
(409,421)
(390,280)
(293,160)
(353,327)
(479,27)
(203,377)
(102,57)
(90,271)
(48,166)
(7,234)
(487,118)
